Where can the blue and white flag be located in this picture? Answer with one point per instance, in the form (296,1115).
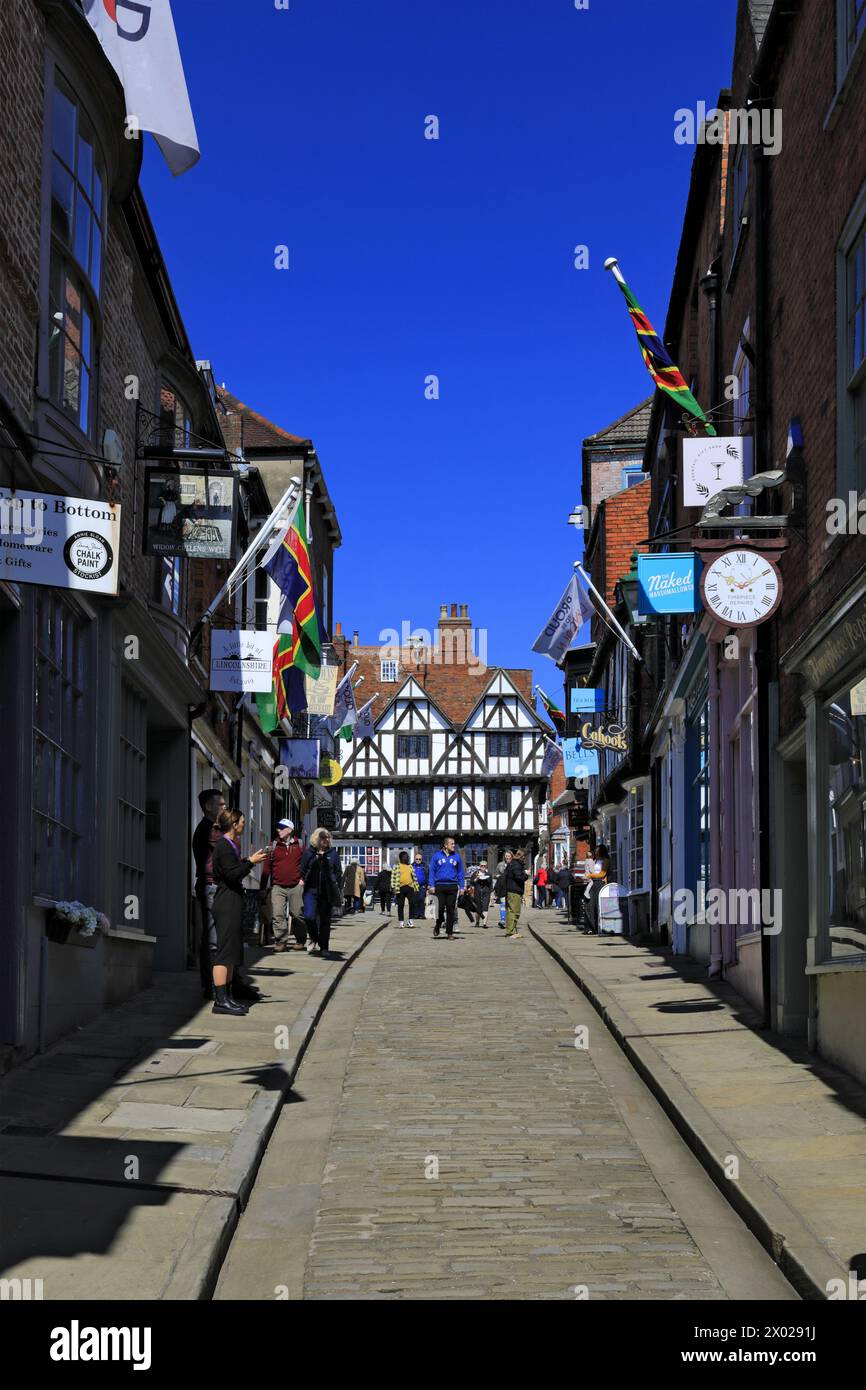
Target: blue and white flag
(569,616)
(365,726)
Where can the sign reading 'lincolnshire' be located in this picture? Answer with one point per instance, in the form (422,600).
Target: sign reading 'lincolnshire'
(64,542)
(241,661)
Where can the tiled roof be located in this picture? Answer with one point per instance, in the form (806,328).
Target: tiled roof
(242,426)
(634,425)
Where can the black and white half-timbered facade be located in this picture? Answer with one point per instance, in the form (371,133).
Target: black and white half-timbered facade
(425,776)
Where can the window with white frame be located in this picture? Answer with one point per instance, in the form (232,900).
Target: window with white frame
(61,765)
(637,839)
(388,670)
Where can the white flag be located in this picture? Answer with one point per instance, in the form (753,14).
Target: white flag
(139,40)
(568,618)
(345,709)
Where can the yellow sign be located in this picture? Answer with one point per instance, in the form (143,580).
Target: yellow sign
(320,693)
(330,772)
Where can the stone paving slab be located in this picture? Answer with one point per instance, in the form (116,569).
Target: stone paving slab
(127,1150)
(796,1124)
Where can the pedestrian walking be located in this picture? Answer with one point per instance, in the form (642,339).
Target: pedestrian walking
(229,871)
(515,882)
(561,885)
(354,883)
(539,883)
(447,879)
(382,889)
(482,886)
(499,885)
(404,884)
(320,879)
(282,870)
(597,870)
(204,838)
(421,874)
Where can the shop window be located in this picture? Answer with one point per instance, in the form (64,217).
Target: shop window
(413,746)
(846,821)
(636,839)
(131,803)
(77,243)
(61,765)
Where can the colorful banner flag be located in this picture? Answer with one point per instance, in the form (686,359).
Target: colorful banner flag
(554,713)
(572,611)
(266,705)
(139,40)
(298,649)
(661,367)
(345,709)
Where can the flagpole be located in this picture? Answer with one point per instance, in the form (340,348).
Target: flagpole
(593,590)
(612,264)
(262,538)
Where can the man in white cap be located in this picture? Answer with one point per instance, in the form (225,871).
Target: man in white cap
(282,869)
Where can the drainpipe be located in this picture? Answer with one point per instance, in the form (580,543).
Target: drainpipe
(710,286)
(764,634)
(714,695)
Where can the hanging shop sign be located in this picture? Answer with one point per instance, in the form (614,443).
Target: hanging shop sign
(579,761)
(708,465)
(241,661)
(586,700)
(742,587)
(328,818)
(190,512)
(320,693)
(300,758)
(330,772)
(668,584)
(63,542)
(609,735)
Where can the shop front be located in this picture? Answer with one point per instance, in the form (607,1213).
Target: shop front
(829,822)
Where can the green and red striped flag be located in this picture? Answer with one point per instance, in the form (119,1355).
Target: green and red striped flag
(554,713)
(661,367)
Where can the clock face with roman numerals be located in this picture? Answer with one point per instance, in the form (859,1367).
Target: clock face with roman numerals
(741,588)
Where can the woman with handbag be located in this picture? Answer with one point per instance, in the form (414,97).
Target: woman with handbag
(320,880)
(229,872)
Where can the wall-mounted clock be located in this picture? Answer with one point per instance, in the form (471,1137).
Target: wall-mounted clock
(741,587)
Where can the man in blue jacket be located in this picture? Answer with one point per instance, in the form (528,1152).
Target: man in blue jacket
(421,874)
(447,879)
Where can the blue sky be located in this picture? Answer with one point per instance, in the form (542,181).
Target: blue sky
(411,257)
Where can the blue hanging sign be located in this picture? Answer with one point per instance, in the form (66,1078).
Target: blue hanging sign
(585,700)
(668,584)
(579,761)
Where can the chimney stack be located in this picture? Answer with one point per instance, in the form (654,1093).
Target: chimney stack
(339,631)
(443,611)
(454,610)
(355,638)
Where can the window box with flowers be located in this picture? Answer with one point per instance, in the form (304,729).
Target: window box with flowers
(75,923)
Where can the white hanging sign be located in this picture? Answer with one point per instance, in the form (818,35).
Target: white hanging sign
(241,661)
(62,542)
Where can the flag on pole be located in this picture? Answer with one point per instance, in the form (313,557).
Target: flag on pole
(298,648)
(365,726)
(661,367)
(345,709)
(266,705)
(553,712)
(552,758)
(572,611)
(140,42)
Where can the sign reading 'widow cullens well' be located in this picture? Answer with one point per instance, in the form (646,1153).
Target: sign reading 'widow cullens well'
(191,513)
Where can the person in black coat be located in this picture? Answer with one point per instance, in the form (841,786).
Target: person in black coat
(321,880)
(229,871)
(482,885)
(383,889)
